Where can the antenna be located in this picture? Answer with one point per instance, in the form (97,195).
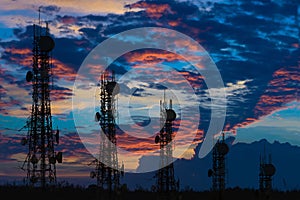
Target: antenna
(39,15)
(166,184)
(41,159)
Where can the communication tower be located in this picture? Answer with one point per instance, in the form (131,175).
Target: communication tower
(41,159)
(266,172)
(166,183)
(107,170)
(218,171)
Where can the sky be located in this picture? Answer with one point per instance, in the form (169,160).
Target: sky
(198,50)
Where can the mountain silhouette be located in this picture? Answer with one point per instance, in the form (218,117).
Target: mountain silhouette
(242,167)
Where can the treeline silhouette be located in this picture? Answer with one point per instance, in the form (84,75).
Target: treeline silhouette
(69,191)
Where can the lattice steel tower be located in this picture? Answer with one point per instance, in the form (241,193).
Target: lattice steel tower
(266,172)
(218,171)
(166,183)
(41,159)
(107,170)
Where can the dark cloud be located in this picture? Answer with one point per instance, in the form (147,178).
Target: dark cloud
(60,93)
(269,8)
(157,86)
(140,92)
(49,10)
(11,143)
(66,50)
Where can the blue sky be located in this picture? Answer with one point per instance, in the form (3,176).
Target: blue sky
(282,126)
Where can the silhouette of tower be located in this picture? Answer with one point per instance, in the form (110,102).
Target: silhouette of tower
(41,159)
(107,170)
(218,171)
(266,172)
(166,184)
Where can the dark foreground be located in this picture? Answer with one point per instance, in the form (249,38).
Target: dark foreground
(71,192)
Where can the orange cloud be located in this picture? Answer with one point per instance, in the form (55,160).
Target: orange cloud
(20,56)
(153,10)
(63,71)
(173,23)
(23,57)
(68,20)
(152,56)
(25,51)
(60,94)
(281,90)
(158,56)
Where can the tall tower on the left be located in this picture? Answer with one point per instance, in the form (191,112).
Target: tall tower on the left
(40,163)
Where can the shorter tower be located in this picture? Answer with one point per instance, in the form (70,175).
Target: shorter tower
(107,170)
(166,184)
(218,171)
(266,172)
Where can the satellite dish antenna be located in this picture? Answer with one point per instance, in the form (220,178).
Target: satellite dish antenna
(171,115)
(157,139)
(269,169)
(58,157)
(210,173)
(29,76)
(46,43)
(112,88)
(97,117)
(222,148)
(92,174)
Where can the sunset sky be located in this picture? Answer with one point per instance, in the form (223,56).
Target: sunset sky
(253,45)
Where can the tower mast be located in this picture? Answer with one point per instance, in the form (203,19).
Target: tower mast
(166,183)
(107,170)
(218,171)
(266,173)
(41,159)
